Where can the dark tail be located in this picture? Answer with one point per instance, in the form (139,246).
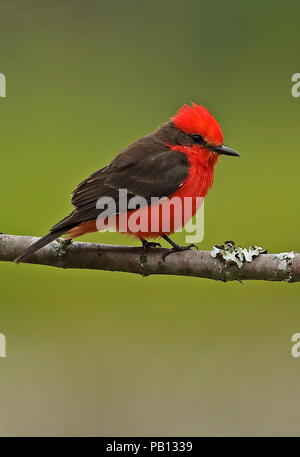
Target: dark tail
(41,243)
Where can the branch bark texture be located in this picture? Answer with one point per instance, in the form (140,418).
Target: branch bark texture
(267,267)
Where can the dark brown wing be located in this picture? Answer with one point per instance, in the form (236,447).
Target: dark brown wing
(147,168)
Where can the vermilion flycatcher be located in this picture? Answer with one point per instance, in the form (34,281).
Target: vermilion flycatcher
(177,160)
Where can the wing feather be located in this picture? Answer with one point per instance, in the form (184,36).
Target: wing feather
(147,168)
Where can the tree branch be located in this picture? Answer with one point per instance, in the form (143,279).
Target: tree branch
(200,264)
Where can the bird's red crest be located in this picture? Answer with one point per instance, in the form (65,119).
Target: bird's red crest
(196,119)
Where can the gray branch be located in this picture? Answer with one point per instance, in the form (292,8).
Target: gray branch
(267,267)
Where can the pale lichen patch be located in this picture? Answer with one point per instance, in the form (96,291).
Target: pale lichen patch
(61,246)
(285,262)
(235,255)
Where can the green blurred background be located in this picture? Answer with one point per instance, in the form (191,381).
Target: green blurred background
(100,353)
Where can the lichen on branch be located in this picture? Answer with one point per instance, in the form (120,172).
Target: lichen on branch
(224,263)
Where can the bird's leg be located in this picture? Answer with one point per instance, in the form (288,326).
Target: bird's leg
(146,244)
(149,244)
(176,247)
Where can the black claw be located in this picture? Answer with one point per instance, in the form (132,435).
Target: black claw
(150,244)
(178,248)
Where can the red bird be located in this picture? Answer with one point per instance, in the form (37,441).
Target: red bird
(177,160)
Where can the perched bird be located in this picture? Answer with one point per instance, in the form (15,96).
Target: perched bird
(177,160)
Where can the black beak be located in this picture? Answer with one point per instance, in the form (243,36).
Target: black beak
(226,151)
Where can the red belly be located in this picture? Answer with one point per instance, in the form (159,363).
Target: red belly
(161,221)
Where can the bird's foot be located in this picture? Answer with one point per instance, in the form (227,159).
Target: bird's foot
(146,244)
(178,248)
(149,244)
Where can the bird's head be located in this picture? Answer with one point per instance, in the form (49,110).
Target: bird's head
(195,128)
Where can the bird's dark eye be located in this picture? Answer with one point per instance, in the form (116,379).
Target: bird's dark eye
(198,139)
